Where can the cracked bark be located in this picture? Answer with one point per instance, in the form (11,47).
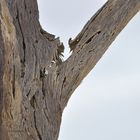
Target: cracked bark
(31,99)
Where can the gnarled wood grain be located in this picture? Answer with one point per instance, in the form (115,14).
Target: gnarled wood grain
(35,84)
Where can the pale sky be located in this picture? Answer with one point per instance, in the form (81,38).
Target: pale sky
(106,106)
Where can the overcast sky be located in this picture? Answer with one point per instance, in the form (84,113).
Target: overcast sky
(106,106)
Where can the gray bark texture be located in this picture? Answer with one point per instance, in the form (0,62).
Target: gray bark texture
(35,84)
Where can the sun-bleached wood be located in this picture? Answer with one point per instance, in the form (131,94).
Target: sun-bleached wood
(35,84)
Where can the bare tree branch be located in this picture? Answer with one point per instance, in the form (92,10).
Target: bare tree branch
(92,42)
(35,85)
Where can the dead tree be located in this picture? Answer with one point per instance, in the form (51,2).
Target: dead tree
(35,84)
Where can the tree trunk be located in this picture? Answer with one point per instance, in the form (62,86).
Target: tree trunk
(35,84)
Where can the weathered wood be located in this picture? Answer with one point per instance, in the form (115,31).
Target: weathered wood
(29,110)
(35,85)
(92,42)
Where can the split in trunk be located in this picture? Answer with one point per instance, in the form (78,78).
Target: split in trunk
(35,84)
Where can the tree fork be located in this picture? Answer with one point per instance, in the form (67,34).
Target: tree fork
(35,84)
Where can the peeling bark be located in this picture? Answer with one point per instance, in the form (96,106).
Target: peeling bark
(35,84)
